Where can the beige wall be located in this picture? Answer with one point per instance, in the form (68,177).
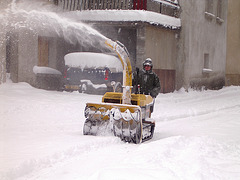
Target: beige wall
(233,43)
(161,47)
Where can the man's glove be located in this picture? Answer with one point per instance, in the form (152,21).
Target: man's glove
(154,92)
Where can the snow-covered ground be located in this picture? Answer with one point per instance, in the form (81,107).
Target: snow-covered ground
(197,136)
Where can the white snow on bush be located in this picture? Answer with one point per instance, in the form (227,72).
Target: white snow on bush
(95,86)
(45,70)
(196,137)
(93,60)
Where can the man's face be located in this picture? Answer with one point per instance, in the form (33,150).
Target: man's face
(147,67)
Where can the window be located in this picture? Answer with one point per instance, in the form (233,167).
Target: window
(206,61)
(209,6)
(220,11)
(206,65)
(209,9)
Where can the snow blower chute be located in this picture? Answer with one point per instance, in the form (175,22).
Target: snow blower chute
(124,114)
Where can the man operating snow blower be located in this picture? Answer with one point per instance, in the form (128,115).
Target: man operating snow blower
(146,81)
(126,115)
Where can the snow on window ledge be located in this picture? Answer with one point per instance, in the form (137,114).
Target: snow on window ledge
(206,70)
(45,70)
(209,15)
(220,20)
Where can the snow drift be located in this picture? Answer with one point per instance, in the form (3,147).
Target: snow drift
(196,137)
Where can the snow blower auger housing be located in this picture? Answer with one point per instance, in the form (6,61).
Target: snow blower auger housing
(124,114)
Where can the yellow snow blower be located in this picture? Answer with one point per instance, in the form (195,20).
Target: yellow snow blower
(124,114)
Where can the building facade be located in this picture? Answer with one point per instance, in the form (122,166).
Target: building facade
(192,53)
(143,38)
(29,46)
(202,52)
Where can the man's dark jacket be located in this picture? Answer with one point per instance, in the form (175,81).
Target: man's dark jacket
(148,81)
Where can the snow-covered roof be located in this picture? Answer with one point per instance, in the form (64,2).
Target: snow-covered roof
(93,60)
(126,16)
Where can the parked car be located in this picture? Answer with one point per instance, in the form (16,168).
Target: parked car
(92,73)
